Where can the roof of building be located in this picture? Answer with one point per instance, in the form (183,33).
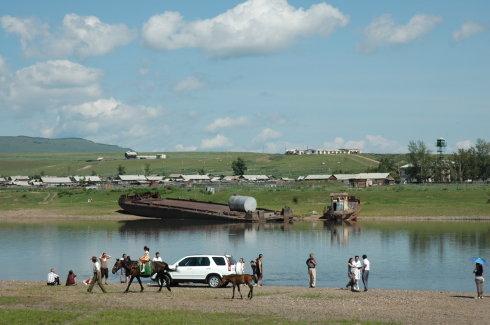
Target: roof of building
(21,183)
(344,177)
(3,179)
(132,178)
(255,177)
(406,166)
(195,178)
(87,178)
(231,178)
(19,178)
(175,176)
(316,177)
(55,180)
(154,178)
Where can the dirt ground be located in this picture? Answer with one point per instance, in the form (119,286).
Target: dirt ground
(293,303)
(33,216)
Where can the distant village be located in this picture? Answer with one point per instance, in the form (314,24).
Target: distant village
(354,180)
(309,151)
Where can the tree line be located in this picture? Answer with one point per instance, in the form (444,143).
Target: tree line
(472,164)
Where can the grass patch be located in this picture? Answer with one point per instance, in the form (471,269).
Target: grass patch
(138,316)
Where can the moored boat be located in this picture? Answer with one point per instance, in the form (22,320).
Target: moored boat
(240,209)
(342,207)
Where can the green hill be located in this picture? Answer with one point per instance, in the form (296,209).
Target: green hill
(17,144)
(216,163)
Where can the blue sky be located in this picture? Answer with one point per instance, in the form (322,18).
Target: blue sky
(250,75)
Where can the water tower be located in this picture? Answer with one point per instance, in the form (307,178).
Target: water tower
(441,146)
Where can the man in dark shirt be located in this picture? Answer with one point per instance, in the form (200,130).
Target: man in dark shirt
(311,264)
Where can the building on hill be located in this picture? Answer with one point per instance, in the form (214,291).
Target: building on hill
(309,151)
(19,178)
(155,179)
(195,178)
(51,181)
(175,177)
(135,155)
(231,178)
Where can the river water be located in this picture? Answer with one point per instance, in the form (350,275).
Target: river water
(407,255)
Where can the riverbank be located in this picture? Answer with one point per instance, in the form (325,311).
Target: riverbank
(21,302)
(420,201)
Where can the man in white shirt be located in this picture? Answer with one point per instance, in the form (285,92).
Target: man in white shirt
(240,266)
(357,272)
(53,278)
(97,275)
(365,271)
(157,257)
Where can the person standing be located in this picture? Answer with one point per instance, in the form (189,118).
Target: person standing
(357,272)
(259,266)
(351,274)
(366,266)
(53,278)
(479,280)
(240,266)
(97,276)
(104,269)
(311,264)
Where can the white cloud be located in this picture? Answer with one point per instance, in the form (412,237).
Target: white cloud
(226,122)
(181,147)
(464,144)
(266,135)
(218,141)
(188,84)
(50,84)
(370,143)
(78,35)
(384,31)
(252,27)
(467,30)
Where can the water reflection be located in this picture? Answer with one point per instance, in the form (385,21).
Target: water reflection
(422,255)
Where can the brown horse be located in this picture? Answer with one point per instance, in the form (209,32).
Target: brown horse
(133,269)
(236,280)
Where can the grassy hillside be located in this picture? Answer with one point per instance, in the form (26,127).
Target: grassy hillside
(178,162)
(383,201)
(30,144)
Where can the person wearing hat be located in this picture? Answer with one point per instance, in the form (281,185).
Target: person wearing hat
(311,264)
(97,276)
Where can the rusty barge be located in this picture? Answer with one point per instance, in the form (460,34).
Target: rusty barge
(153,206)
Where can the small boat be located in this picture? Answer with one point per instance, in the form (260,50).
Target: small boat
(342,207)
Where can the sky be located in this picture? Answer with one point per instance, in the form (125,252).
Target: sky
(255,75)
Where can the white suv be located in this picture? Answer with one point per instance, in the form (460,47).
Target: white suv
(202,269)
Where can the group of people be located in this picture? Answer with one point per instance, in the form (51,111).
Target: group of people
(256,265)
(357,270)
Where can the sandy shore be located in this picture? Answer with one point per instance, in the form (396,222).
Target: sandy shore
(43,215)
(291,303)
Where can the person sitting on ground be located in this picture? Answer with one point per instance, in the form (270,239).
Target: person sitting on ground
(53,278)
(71,279)
(144,259)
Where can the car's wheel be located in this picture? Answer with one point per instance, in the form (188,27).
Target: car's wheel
(214,281)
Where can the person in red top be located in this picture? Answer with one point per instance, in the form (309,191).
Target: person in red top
(71,279)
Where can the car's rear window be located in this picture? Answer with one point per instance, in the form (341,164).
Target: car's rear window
(219,260)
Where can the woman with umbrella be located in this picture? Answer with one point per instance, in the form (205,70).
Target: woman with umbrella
(479,280)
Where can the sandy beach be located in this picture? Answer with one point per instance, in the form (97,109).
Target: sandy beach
(286,303)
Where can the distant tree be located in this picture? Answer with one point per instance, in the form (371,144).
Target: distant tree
(387,164)
(482,151)
(420,158)
(239,166)
(147,169)
(121,170)
(201,171)
(93,173)
(42,173)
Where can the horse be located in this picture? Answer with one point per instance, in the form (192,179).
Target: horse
(236,280)
(133,269)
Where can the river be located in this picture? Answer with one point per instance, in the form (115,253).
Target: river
(407,255)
